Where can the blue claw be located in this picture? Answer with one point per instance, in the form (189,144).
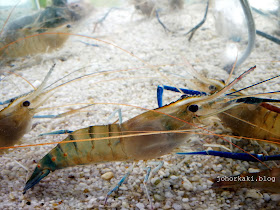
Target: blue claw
(174,89)
(236,156)
(247,100)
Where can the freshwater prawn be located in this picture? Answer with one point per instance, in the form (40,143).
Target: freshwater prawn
(256,119)
(147,136)
(16,118)
(59,18)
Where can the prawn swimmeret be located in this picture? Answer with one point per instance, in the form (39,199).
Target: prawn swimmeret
(146,136)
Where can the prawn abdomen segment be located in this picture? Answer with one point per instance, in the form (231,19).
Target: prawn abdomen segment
(82,152)
(162,138)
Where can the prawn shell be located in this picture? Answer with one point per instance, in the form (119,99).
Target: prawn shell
(263,123)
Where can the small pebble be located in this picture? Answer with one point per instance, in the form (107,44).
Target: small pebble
(185,200)
(253,170)
(169,195)
(108,175)
(195,178)
(266,197)
(140,205)
(235,173)
(12,197)
(158,197)
(217,168)
(187,185)
(176,206)
(37,83)
(86,170)
(252,193)
(275,197)
(173,177)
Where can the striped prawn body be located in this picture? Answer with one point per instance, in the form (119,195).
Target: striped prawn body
(114,149)
(119,148)
(141,143)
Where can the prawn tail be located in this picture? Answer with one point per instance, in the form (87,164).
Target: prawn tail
(35,178)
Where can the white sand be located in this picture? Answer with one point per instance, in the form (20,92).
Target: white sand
(184,186)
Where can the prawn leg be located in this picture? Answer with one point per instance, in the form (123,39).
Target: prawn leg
(46,116)
(268,36)
(119,111)
(194,29)
(161,23)
(101,20)
(120,182)
(56,132)
(62,114)
(236,156)
(145,185)
(149,174)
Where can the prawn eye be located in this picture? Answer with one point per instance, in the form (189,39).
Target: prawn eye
(12,100)
(193,108)
(26,103)
(212,88)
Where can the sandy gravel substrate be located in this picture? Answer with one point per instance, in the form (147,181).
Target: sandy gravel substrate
(178,184)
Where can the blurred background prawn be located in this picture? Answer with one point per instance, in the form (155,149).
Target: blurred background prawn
(28,35)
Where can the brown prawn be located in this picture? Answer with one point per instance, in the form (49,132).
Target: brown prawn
(146,136)
(259,120)
(15,119)
(57,18)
